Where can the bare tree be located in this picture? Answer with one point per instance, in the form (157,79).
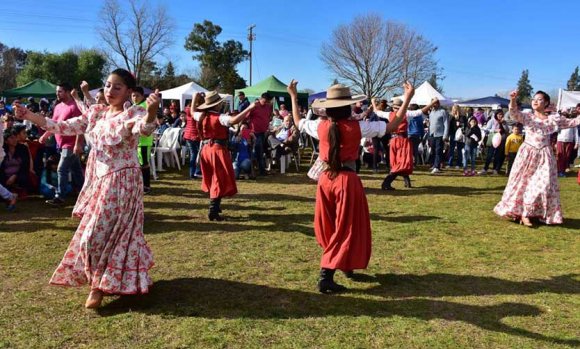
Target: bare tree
(135,36)
(375,56)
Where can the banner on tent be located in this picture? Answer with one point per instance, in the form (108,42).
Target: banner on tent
(568,99)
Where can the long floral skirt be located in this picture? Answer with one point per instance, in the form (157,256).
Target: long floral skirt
(108,250)
(532,190)
(342,222)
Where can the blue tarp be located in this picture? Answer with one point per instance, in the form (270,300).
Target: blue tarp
(314,96)
(486,102)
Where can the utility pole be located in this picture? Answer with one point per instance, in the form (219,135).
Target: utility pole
(251,38)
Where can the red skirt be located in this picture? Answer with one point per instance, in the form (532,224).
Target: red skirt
(217,171)
(401,156)
(342,222)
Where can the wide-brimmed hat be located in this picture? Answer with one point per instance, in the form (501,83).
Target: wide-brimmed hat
(211,99)
(397,102)
(337,96)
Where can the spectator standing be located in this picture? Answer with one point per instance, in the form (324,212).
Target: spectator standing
(439,132)
(192,135)
(145,142)
(512,145)
(70,146)
(472,139)
(259,124)
(566,141)
(243,103)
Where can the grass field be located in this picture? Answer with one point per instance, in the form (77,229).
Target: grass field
(445,273)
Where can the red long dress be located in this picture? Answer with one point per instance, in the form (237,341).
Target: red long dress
(401,152)
(216,162)
(341,219)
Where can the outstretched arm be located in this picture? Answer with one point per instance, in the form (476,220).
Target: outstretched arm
(241,116)
(402,112)
(293,91)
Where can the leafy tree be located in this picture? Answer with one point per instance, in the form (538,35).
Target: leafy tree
(68,67)
(218,61)
(12,61)
(524,88)
(574,81)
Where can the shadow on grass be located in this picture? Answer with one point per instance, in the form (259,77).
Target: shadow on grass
(219,299)
(267,223)
(436,190)
(450,285)
(402,219)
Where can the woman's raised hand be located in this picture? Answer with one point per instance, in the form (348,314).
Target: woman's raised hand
(514,94)
(153,102)
(409,89)
(292,90)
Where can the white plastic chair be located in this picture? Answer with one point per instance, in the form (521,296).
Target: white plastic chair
(168,144)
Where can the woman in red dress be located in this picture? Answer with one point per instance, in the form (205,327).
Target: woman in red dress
(341,220)
(217,169)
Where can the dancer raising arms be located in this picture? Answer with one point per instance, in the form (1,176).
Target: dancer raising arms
(108,251)
(532,190)
(217,169)
(341,219)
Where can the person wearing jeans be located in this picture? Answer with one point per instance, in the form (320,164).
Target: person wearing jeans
(69,146)
(439,131)
(192,136)
(259,119)
(472,139)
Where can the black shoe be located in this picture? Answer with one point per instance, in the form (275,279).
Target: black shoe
(146,190)
(329,286)
(386,186)
(407,181)
(55,202)
(215,217)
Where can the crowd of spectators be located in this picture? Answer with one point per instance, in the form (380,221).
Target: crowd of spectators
(33,162)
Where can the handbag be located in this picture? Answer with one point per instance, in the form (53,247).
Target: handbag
(317,168)
(459,137)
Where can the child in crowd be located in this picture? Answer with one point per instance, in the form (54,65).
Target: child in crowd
(512,144)
(472,139)
(241,143)
(49,179)
(5,193)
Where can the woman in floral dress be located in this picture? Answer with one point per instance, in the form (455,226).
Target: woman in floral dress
(108,251)
(532,190)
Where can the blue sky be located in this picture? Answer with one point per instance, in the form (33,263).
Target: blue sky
(483,45)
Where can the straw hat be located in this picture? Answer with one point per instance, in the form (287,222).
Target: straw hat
(337,96)
(211,99)
(397,102)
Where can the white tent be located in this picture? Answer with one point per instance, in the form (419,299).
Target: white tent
(424,94)
(183,92)
(568,99)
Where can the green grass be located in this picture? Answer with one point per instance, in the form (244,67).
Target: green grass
(445,273)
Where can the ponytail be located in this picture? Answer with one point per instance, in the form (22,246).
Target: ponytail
(334,114)
(334,163)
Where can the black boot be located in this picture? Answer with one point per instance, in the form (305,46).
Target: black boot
(326,283)
(387,182)
(213,214)
(407,181)
(219,205)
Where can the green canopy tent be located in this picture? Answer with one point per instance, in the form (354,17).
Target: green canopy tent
(37,88)
(276,89)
